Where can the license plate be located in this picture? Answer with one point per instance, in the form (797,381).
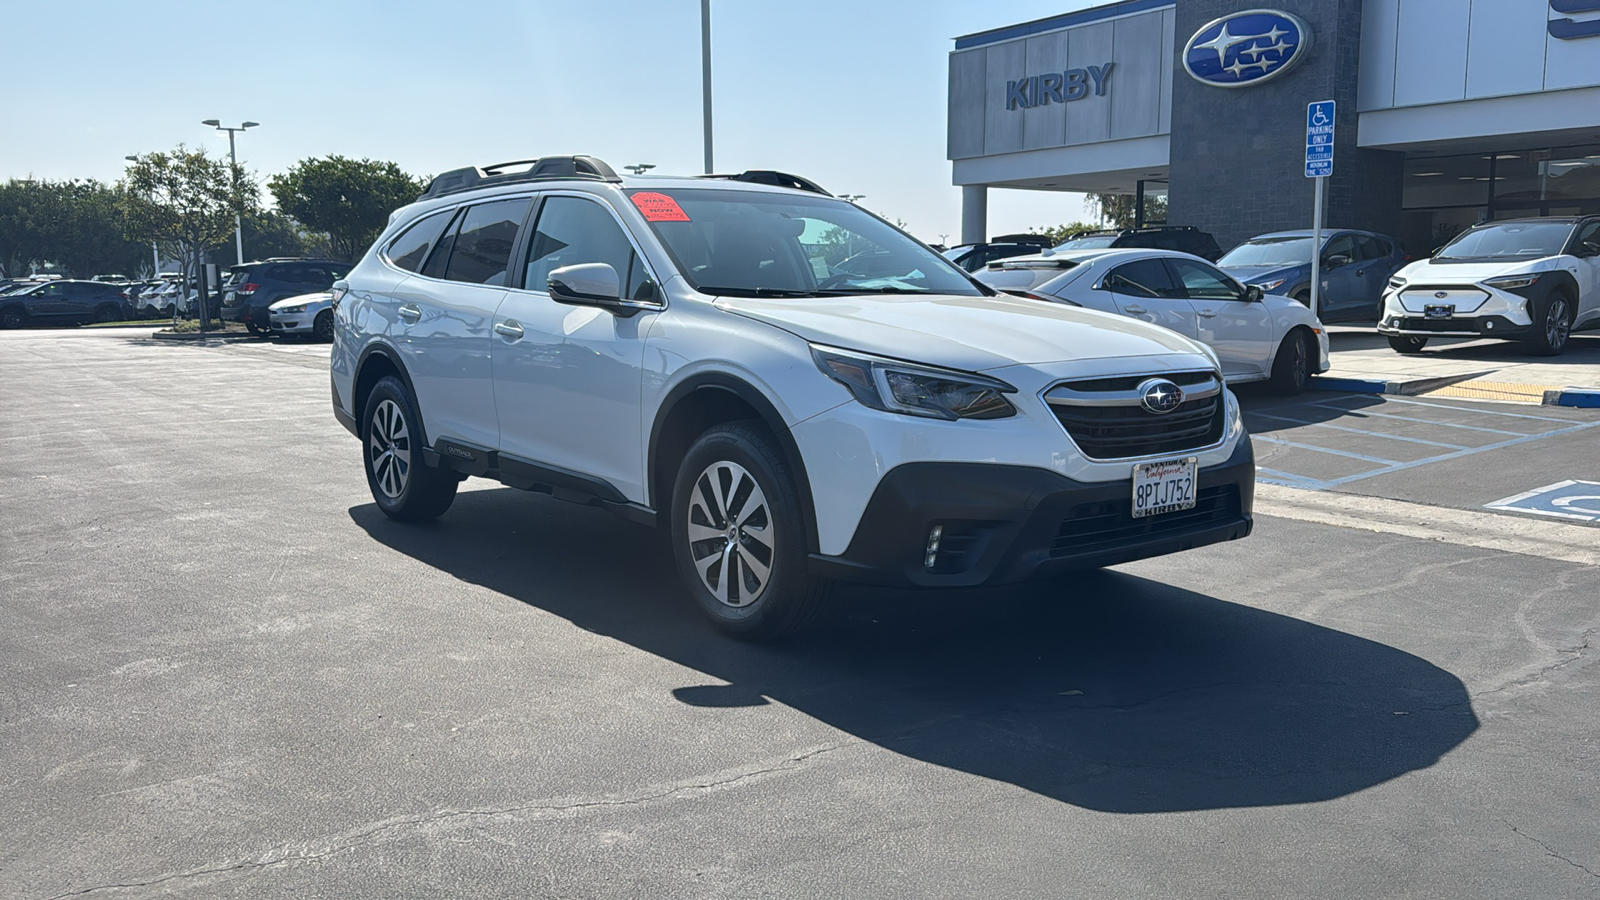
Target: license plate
(1438,311)
(1163,487)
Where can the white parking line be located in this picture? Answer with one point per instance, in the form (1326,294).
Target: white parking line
(1380,415)
(1377,434)
(1361,456)
(1473,409)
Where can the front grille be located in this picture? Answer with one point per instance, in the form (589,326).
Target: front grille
(1108,524)
(1106,420)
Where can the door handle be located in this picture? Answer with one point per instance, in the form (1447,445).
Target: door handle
(409,313)
(1134,310)
(1205,313)
(1361,271)
(509,328)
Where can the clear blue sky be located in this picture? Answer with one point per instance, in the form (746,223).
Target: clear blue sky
(850,93)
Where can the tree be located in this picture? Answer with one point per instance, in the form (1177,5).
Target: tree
(185,198)
(73,224)
(1059,233)
(267,233)
(348,199)
(1117,209)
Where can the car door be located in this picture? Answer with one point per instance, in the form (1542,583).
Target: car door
(443,317)
(1343,287)
(49,301)
(1239,329)
(1145,289)
(567,378)
(1588,274)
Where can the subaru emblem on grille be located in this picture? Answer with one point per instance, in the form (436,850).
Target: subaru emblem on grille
(1440,295)
(1160,396)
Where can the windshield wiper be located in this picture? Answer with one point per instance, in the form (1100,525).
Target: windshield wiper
(883,289)
(754,292)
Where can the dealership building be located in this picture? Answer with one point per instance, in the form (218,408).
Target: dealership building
(1448,112)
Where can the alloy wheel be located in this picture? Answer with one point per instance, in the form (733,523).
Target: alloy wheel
(389,449)
(1555,324)
(731,535)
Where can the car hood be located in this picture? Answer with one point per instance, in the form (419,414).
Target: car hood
(1258,274)
(968,333)
(1434,271)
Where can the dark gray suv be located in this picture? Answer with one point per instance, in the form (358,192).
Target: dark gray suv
(251,288)
(63,302)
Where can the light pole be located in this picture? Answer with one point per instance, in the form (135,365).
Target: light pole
(154,253)
(705,75)
(640,168)
(238,221)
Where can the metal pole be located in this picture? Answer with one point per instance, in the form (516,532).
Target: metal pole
(1316,248)
(155,254)
(705,76)
(238,221)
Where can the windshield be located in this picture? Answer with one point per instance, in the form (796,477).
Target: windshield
(1088,243)
(758,244)
(1274,252)
(1509,240)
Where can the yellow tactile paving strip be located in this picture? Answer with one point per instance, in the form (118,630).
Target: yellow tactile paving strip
(1504,391)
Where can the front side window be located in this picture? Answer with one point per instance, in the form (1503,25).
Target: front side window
(1201,282)
(1342,246)
(1142,278)
(482,252)
(410,249)
(573,231)
(1509,240)
(764,244)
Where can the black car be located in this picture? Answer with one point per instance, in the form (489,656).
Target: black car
(974,257)
(252,287)
(1183,238)
(63,301)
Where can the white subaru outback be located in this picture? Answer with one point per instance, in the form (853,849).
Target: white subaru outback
(688,353)
(1532,280)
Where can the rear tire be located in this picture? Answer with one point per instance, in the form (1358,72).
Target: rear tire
(1407,345)
(738,535)
(405,487)
(1554,324)
(105,312)
(1291,367)
(322,326)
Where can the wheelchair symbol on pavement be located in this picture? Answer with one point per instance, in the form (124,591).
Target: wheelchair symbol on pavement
(1577,500)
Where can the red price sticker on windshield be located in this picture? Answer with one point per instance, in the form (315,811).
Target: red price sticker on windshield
(659,207)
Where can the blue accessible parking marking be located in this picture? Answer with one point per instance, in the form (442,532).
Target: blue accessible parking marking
(1578,500)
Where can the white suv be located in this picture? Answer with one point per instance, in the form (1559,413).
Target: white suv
(1533,280)
(687,353)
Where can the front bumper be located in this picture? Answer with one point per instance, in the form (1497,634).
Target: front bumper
(293,323)
(1008,523)
(1456,326)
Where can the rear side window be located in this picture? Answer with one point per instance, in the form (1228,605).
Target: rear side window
(1371,247)
(409,249)
(573,231)
(1143,278)
(482,251)
(277,273)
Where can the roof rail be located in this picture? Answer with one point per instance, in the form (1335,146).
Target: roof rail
(777,179)
(544,168)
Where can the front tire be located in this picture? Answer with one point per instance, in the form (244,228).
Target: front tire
(1554,324)
(404,486)
(1406,344)
(738,536)
(1291,367)
(12,317)
(257,330)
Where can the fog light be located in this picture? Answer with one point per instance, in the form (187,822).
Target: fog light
(1488,325)
(933,546)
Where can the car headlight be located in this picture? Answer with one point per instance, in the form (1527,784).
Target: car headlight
(291,309)
(1269,285)
(1512,282)
(1396,283)
(914,390)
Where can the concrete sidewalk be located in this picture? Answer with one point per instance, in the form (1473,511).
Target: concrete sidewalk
(1464,368)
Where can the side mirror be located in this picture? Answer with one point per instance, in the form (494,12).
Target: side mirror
(589,284)
(1253,293)
(1588,249)
(1334,262)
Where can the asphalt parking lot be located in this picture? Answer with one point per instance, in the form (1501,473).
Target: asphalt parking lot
(227,675)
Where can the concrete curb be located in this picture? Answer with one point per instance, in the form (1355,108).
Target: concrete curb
(1410,388)
(203,336)
(1581,398)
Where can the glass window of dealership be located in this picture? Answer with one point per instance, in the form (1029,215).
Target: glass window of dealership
(1451,112)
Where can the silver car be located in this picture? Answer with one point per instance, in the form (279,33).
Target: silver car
(307,314)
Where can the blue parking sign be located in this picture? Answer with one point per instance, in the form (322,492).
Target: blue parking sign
(1319,139)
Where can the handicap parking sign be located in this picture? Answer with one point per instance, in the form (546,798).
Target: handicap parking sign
(1579,500)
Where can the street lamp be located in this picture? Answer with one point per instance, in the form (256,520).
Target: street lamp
(154,253)
(705,75)
(238,221)
(640,168)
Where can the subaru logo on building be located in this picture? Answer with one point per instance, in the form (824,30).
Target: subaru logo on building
(1569,29)
(1246,48)
(1160,396)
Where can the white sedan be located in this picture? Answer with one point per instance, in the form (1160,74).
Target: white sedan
(310,314)
(1256,336)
